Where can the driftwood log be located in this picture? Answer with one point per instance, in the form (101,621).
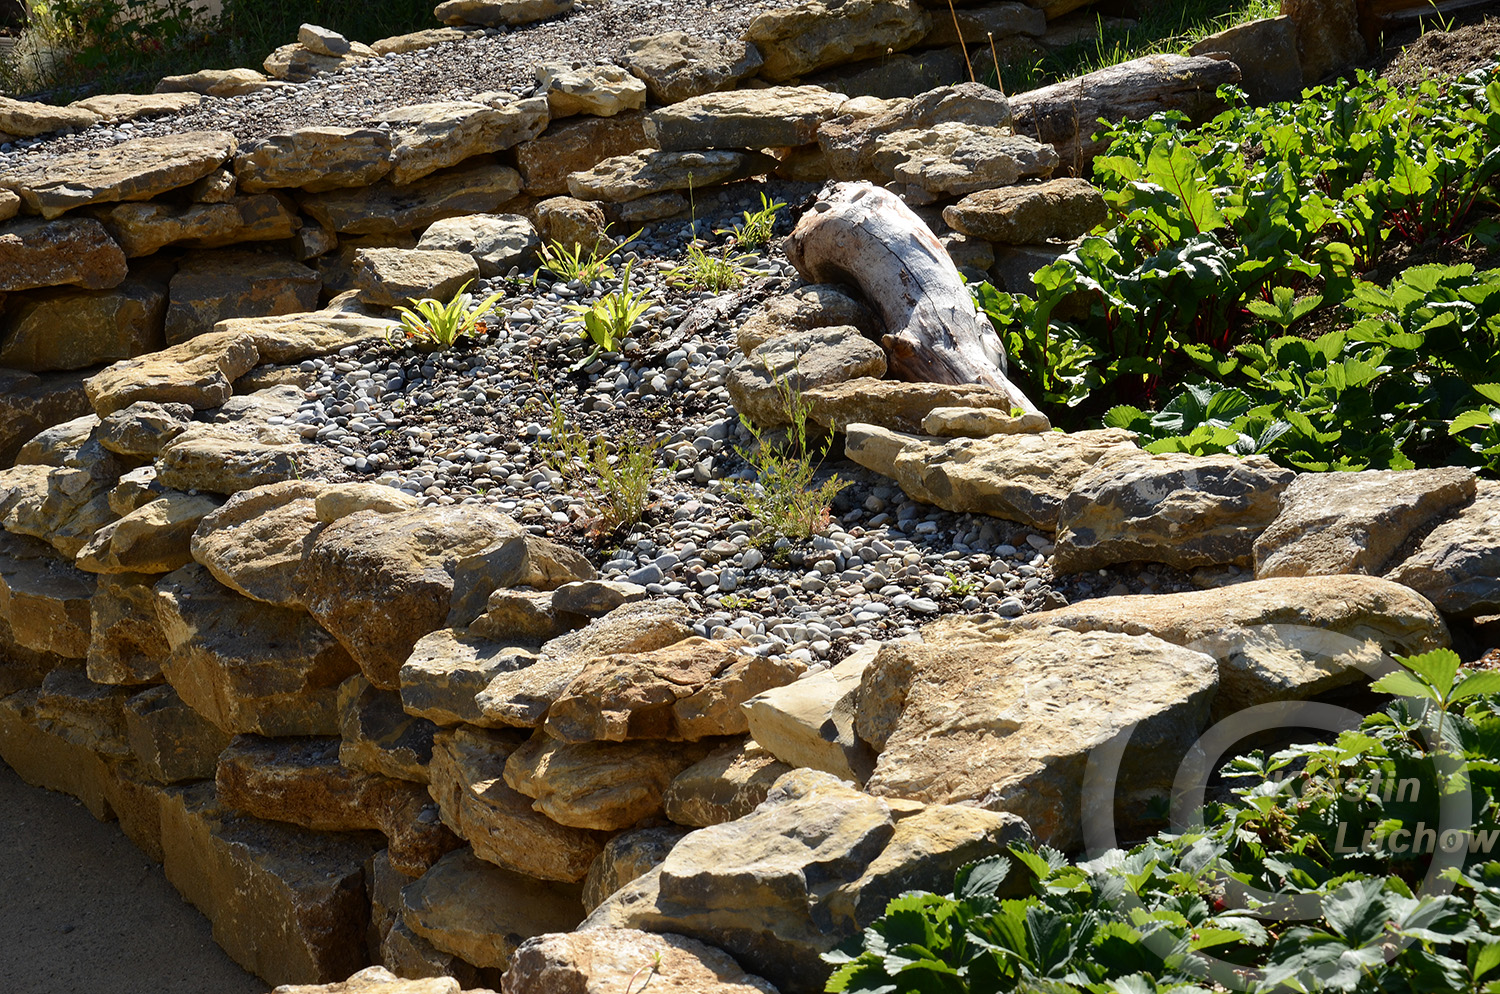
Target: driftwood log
(1067,114)
(862,235)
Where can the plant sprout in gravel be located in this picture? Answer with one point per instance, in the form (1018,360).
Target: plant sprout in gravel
(431,325)
(608,320)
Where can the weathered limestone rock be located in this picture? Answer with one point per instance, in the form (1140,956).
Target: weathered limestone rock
(315,159)
(573,223)
(142,229)
(379,582)
(896,405)
(264,217)
(91,712)
(762,887)
(46,754)
(626,857)
(595,598)
(727,784)
(1327,33)
(495,242)
(493,13)
(576,145)
(72,445)
(447,668)
(172,742)
(126,643)
(1266,52)
(323,41)
(798,40)
(980,422)
(392,276)
(212,286)
(103,326)
(297,64)
(1356,522)
(218,187)
(533,562)
(415,41)
(377,980)
(385,208)
(964,720)
(24,118)
(434,136)
(136,488)
(1021,478)
(64,506)
(606,960)
(480,912)
(287,904)
(652,207)
(602,90)
(600,785)
(801,361)
(957,159)
(339,500)
(256,542)
(151,539)
(776,117)
(850,142)
(690,690)
(523,616)
(218,82)
(75,251)
(1035,212)
(246,666)
(252,411)
(521,697)
(1281,639)
(130,106)
(1457,566)
(10,205)
(821,305)
(1186,511)
(895,77)
(978,25)
(467,781)
(197,373)
(811,722)
(44,598)
(378,736)
(631,177)
(138,169)
(676,66)
(293,337)
(302,781)
(225,459)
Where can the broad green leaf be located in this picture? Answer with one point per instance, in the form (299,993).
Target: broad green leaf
(1437,668)
(1404,684)
(1475,684)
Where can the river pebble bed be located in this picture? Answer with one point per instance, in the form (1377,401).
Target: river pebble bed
(475,424)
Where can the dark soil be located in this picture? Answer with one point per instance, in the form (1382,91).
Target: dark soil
(1442,54)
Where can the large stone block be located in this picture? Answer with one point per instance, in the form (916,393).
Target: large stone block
(385,208)
(377,736)
(610,959)
(776,117)
(799,40)
(172,742)
(247,666)
(212,286)
(315,159)
(126,641)
(74,251)
(73,329)
(433,136)
(197,372)
(287,904)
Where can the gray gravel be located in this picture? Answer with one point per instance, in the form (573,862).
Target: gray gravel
(496,59)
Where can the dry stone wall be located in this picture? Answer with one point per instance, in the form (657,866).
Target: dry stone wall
(359,729)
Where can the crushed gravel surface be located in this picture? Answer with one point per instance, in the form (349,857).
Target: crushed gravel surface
(490,60)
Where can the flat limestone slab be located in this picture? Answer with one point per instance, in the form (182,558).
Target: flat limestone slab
(134,170)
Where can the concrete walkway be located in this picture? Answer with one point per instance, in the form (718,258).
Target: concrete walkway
(83,912)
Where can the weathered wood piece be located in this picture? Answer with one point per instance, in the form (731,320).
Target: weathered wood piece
(1066,114)
(865,236)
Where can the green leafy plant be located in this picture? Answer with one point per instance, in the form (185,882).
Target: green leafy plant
(608,320)
(702,271)
(758,226)
(576,263)
(783,498)
(613,477)
(1270,894)
(431,325)
(959,586)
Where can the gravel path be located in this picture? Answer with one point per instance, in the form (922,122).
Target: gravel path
(82,910)
(490,60)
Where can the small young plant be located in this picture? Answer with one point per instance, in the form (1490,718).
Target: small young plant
(959,586)
(608,320)
(432,325)
(613,478)
(702,271)
(758,225)
(584,265)
(783,499)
